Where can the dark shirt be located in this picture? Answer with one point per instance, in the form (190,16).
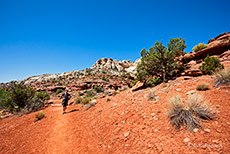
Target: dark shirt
(66,97)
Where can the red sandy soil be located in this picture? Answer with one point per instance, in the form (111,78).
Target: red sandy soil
(125,123)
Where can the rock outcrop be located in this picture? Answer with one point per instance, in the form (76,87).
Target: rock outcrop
(110,66)
(218,47)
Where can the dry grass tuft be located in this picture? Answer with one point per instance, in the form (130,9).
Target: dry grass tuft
(223,77)
(202,86)
(188,116)
(40,115)
(203,111)
(151,95)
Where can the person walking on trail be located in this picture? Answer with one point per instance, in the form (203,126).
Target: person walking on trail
(66,96)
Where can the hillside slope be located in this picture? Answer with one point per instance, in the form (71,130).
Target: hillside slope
(125,123)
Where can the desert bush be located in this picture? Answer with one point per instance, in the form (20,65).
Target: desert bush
(199,47)
(59,91)
(19,97)
(91,93)
(188,116)
(40,115)
(99,89)
(106,93)
(211,65)
(85,100)
(202,86)
(78,100)
(134,83)
(42,95)
(222,77)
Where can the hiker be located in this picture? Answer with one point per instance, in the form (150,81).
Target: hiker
(66,96)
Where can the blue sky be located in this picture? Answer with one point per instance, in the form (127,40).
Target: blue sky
(55,36)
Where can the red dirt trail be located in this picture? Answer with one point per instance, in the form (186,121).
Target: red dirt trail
(125,123)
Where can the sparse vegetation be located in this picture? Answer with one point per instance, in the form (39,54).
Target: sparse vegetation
(104,79)
(99,89)
(134,83)
(82,100)
(59,91)
(91,93)
(202,86)
(199,47)
(40,115)
(188,116)
(211,65)
(151,95)
(222,77)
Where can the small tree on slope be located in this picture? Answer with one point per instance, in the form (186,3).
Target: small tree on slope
(159,61)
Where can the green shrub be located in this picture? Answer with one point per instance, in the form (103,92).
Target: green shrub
(40,115)
(78,100)
(42,95)
(151,82)
(106,93)
(211,65)
(99,89)
(19,97)
(202,86)
(104,79)
(91,93)
(134,83)
(199,47)
(85,100)
(59,91)
(223,77)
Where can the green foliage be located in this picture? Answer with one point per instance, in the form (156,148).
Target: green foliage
(59,91)
(19,97)
(91,93)
(78,100)
(159,61)
(99,89)
(199,47)
(82,100)
(104,79)
(106,93)
(42,95)
(134,83)
(124,75)
(210,65)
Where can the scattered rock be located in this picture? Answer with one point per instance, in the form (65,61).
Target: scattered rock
(217,106)
(190,92)
(195,130)
(186,139)
(137,86)
(207,130)
(126,134)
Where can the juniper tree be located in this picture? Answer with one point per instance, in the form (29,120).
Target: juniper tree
(159,61)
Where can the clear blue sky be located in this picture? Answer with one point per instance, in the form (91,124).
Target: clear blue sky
(55,36)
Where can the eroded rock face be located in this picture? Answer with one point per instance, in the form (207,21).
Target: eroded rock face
(110,66)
